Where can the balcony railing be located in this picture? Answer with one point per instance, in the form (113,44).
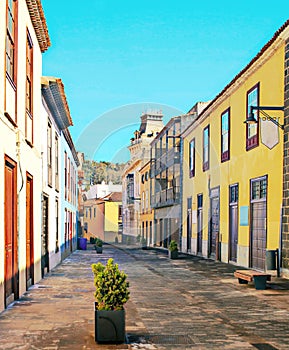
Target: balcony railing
(166,197)
(167,160)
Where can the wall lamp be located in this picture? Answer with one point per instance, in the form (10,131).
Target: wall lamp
(134,198)
(251,118)
(173,137)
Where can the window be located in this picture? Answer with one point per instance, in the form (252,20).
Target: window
(206,148)
(10,40)
(65,175)
(29,90)
(259,189)
(56,226)
(130,188)
(56,164)
(192,158)
(225,136)
(68,179)
(49,154)
(252,129)
(234,194)
(120,212)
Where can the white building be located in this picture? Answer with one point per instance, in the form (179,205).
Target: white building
(102,190)
(56,177)
(69,195)
(23,39)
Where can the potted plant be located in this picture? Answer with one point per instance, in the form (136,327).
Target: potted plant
(143,243)
(98,245)
(111,293)
(92,240)
(173,250)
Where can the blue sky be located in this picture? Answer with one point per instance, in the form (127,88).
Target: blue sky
(118,59)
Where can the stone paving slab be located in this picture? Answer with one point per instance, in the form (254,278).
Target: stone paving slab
(188,303)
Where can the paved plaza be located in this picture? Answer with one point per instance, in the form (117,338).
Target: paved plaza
(189,303)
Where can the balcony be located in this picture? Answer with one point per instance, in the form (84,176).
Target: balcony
(170,196)
(167,160)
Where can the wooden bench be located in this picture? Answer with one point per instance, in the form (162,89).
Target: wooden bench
(259,278)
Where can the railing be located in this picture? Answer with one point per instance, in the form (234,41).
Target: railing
(166,197)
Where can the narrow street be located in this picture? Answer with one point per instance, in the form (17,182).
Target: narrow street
(189,303)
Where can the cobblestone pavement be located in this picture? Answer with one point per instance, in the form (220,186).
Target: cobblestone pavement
(189,303)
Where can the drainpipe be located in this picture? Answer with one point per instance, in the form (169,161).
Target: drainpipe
(18,142)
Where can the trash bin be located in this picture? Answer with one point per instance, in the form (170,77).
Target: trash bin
(271,259)
(82,243)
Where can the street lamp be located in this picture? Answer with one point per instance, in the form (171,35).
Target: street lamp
(251,118)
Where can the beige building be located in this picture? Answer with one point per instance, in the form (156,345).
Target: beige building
(151,124)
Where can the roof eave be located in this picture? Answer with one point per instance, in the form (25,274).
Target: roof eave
(38,20)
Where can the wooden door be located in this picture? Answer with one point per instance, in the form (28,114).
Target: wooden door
(44,237)
(29,232)
(214,250)
(189,224)
(70,230)
(10,224)
(233,222)
(200,224)
(258,235)
(258,223)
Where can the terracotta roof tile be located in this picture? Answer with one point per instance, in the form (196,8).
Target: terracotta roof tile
(39,23)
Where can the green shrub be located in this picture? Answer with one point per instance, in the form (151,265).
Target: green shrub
(173,246)
(98,242)
(143,242)
(112,288)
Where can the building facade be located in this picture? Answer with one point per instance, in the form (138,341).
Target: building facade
(166,178)
(69,197)
(232,171)
(23,39)
(146,211)
(57,178)
(103,217)
(151,124)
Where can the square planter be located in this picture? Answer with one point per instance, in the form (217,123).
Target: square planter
(174,254)
(98,250)
(110,326)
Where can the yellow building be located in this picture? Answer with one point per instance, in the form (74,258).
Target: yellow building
(146,212)
(232,171)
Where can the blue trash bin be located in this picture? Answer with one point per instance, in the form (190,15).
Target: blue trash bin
(82,243)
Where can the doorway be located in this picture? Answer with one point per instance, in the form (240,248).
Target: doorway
(189,224)
(29,232)
(10,226)
(44,237)
(200,224)
(233,221)
(258,223)
(214,249)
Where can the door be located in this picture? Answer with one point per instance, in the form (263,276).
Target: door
(29,232)
(214,250)
(10,224)
(165,232)
(44,237)
(258,223)
(233,222)
(200,224)
(70,231)
(189,224)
